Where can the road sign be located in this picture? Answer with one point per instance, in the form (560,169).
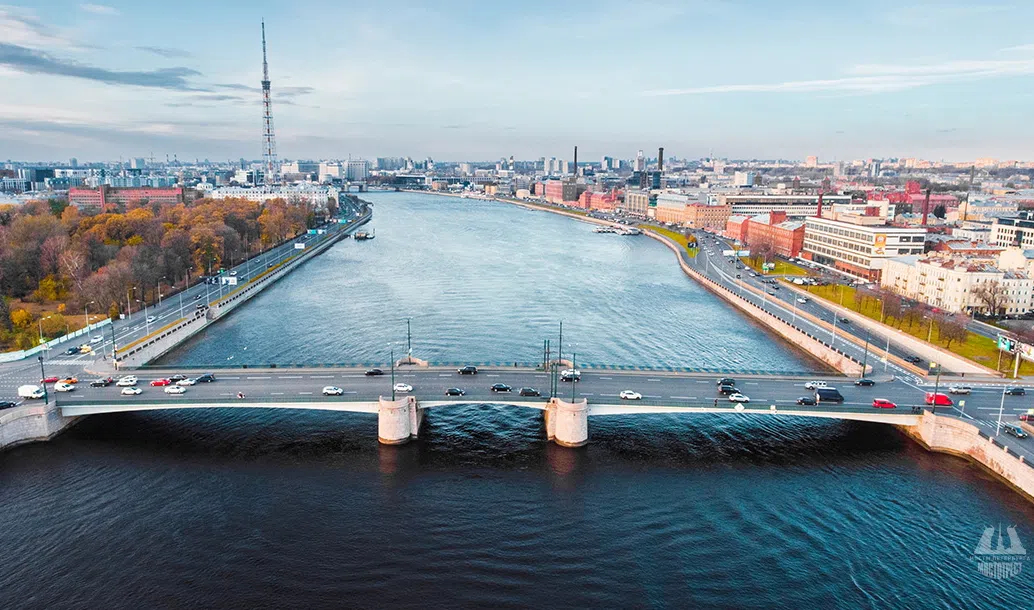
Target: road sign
(229,281)
(312,231)
(1006,344)
(299,246)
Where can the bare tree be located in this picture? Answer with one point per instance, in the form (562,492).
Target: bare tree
(953,328)
(994,297)
(892,306)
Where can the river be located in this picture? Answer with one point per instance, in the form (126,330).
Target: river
(252,508)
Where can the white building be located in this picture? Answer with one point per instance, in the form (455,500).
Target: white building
(858,245)
(952,284)
(316,195)
(357,170)
(1018,231)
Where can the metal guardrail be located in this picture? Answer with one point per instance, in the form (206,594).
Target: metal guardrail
(492,364)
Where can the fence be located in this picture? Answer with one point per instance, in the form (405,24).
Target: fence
(12,356)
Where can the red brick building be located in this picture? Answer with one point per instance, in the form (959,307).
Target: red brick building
(736,228)
(106,198)
(591,200)
(786,236)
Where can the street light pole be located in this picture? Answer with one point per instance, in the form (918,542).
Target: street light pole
(43,377)
(865,356)
(1001,408)
(409,340)
(936,385)
(86,310)
(393,374)
(147,322)
(41,332)
(574,380)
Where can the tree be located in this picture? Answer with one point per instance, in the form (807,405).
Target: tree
(953,328)
(911,315)
(21,318)
(892,306)
(993,295)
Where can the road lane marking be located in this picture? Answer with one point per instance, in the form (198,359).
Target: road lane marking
(352,376)
(750,383)
(585,394)
(607,378)
(702,382)
(445,374)
(350,392)
(259,377)
(491,375)
(321,376)
(305,392)
(653,379)
(685,397)
(648,396)
(277,393)
(288,377)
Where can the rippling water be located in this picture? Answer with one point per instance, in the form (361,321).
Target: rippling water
(488,282)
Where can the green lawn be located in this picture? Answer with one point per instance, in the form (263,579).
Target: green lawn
(781,267)
(977,348)
(674,236)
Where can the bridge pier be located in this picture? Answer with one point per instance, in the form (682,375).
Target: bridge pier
(398,421)
(567,423)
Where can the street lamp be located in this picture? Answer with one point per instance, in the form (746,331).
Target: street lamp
(392,356)
(160,289)
(1001,407)
(409,341)
(865,357)
(86,311)
(41,331)
(147,322)
(936,384)
(43,379)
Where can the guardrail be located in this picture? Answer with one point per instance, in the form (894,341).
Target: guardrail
(493,364)
(25,353)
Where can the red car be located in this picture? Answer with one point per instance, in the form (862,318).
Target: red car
(883,403)
(160,382)
(51,379)
(942,399)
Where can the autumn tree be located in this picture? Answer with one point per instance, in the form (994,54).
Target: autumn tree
(993,295)
(953,328)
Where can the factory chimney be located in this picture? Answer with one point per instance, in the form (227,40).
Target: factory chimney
(575,163)
(926,206)
(818,213)
(660,159)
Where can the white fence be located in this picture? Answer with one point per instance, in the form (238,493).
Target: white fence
(25,353)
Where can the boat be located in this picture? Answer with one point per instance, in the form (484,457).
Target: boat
(604,230)
(362,235)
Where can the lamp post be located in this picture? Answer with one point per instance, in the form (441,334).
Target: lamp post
(409,341)
(147,323)
(936,385)
(86,311)
(43,377)
(160,289)
(574,380)
(1001,408)
(392,356)
(865,356)
(41,331)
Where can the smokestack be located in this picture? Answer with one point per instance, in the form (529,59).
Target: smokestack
(818,214)
(926,206)
(576,162)
(660,159)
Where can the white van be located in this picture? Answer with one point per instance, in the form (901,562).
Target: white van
(30,391)
(814,385)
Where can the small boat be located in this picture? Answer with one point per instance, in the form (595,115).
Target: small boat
(604,230)
(362,235)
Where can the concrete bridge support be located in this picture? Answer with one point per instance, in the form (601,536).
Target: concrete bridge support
(567,423)
(398,421)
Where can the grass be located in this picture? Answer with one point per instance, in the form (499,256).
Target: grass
(781,267)
(977,348)
(674,236)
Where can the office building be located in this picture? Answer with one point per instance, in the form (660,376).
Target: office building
(859,245)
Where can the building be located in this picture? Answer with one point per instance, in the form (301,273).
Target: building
(106,199)
(596,200)
(795,206)
(357,170)
(316,196)
(1017,231)
(637,202)
(811,161)
(859,245)
(786,237)
(743,178)
(953,284)
(563,191)
(707,217)
(736,228)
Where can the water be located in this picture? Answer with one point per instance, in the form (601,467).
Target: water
(488,282)
(252,508)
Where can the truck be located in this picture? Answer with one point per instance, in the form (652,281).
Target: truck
(30,391)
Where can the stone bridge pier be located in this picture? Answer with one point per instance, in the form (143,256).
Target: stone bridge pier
(398,421)
(567,423)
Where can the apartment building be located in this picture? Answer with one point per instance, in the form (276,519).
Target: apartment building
(952,284)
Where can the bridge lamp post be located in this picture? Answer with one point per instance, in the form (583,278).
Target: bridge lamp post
(46,398)
(86,312)
(147,325)
(41,332)
(574,380)
(936,385)
(865,355)
(409,340)
(392,356)
(1001,408)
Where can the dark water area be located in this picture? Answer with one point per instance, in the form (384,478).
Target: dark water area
(484,281)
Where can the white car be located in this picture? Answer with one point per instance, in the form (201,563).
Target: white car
(132,391)
(403,387)
(97,339)
(151,318)
(186,382)
(127,381)
(233,273)
(802,300)
(630,395)
(737,397)
(332,390)
(175,389)
(960,389)
(61,386)
(811,385)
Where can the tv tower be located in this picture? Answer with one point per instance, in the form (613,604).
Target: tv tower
(272,170)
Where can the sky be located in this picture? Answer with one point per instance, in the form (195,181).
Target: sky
(459,80)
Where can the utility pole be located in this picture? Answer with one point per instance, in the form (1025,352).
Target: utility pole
(865,357)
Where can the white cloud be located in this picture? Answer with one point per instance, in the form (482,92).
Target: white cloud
(21,27)
(99,9)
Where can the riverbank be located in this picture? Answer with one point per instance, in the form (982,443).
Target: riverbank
(32,422)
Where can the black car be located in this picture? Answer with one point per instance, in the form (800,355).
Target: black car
(72,350)
(198,297)
(7,404)
(206,378)
(864,382)
(454,392)
(177,377)
(844,321)
(101,383)
(726,381)
(806,400)
(374,372)
(913,359)
(727,389)
(1016,391)
(468,370)
(529,392)
(501,387)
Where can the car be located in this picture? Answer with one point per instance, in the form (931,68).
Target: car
(500,387)
(1015,391)
(941,400)
(912,359)
(843,320)
(127,381)
(70,379)
(402,387)
(175,389)
(7,404)
(570,375)
(727,389)
(186,382)
(158,383)
(726,381)
(85,349)
(454,392)
(529,392)
(332,390)
(50,379)
(806,400)
(72,350)
(828,394)
(133,391)
(96,339)
(200,306)
(206,378)
(468,370)
(102,383)
(233,273)
(1015,430)
(865,382)
(812,385)
(737,397)
(197,297)
(374,372)
(960,389)
(630,395)
(883,403)
(177,377)
(61,386)
(802,300)
(151,319)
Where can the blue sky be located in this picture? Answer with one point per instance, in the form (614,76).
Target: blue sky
(482,80)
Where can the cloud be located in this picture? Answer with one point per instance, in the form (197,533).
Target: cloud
(165,51)
(874,78)
(1021,47)
(19,27)
(290,92)
(31,61)
(99,9)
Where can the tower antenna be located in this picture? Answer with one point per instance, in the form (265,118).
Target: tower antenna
(271,175)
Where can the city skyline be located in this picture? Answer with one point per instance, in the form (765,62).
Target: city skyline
(465,81)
